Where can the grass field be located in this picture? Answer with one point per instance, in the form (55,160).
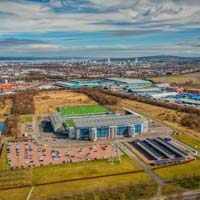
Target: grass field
(65,172)
(170,189)
(81,110)
(26,118)
(182,185)
(193,78)
(88,185)
(3,161)
(84,169)
(48,101)
(15,194)
(129,192)
(180,171)
(189,140)
(69,123)
(68,171)
(166,116)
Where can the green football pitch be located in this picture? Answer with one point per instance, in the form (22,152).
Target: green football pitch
(81,110)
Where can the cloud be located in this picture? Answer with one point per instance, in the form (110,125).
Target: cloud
(98,50)
(6,14)
(118,18)
(15,41)
(194,43)
(90,15)
(72,39)
(23,45)
(126,33)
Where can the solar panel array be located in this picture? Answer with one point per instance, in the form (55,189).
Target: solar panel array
(158,151)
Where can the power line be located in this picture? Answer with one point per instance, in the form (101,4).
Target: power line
(115,149)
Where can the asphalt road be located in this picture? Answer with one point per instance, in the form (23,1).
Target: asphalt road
(36,126)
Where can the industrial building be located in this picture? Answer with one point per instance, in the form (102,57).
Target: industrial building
(150,90)
(74,84)
(99,126)
(130,82)
(186,99)
(136,86)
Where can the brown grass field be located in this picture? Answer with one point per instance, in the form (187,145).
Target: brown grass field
(194,78)
(5,109)
(163,115)
(48,101)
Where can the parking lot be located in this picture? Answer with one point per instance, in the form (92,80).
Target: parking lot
(28,154)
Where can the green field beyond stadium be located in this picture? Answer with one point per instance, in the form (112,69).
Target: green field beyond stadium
(81,110)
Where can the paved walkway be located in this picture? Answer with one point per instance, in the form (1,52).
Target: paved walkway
(30,193)
(157,179)
(36,126)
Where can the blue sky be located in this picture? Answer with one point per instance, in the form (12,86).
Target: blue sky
(99,28)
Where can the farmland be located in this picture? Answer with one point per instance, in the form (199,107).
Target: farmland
(187,80)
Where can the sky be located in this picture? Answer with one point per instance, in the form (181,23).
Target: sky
(99,28)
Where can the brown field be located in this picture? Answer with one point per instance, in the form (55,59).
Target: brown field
(5,109)
(163,115)
(193,78)
(48,101)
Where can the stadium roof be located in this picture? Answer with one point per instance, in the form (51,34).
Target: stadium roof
(56,121)
(106,120)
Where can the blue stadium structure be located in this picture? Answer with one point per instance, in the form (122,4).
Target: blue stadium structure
(101,126)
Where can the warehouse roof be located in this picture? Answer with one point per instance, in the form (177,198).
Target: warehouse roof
(131,81)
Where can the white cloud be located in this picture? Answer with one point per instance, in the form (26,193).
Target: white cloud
(140,16)
(99,51)
(34,17)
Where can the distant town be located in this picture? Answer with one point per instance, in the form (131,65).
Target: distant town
(130,76)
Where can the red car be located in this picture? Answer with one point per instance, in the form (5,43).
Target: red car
(25,152)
